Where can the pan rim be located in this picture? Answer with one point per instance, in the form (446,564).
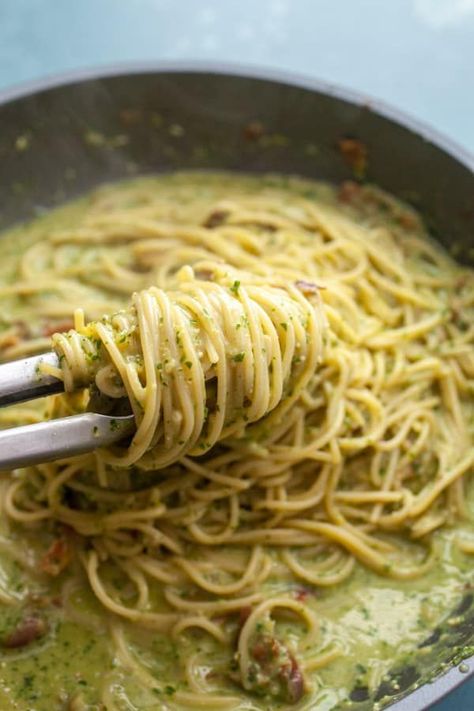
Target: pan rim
(384,109)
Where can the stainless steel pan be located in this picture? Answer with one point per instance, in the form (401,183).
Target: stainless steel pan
(62,137)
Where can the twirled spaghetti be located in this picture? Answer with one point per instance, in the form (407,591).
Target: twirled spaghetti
(239,561)
(199,363)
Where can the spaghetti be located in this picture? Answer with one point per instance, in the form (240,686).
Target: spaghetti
(199,363)
(215,527)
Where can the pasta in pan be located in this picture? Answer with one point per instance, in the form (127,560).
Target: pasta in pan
(300,363)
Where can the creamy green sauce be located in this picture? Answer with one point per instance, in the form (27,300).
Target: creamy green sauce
(377,622)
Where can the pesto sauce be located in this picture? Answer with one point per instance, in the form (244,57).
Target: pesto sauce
(375,621)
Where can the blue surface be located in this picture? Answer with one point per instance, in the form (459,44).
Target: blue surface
(416,54)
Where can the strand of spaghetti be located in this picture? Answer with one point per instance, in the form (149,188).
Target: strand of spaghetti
(322,660)
(390,338)
(360,550)
(431,492)
(214,607)
(326,579)
(364,497)
(466,546)
(153,620)
(139,580)
(207,700)
(153,535)
(156,570)
(252,574)
(202,623)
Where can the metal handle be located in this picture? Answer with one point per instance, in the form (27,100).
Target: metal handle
(22,380)
(58,439)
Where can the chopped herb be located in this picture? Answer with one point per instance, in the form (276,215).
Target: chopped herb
(238,357)
(26,688)
(235,288)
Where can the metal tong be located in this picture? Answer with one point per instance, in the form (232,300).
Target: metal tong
(55,439)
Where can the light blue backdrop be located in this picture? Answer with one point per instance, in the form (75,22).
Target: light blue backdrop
(415,54)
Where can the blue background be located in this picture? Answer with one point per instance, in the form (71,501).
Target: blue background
(415,54)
